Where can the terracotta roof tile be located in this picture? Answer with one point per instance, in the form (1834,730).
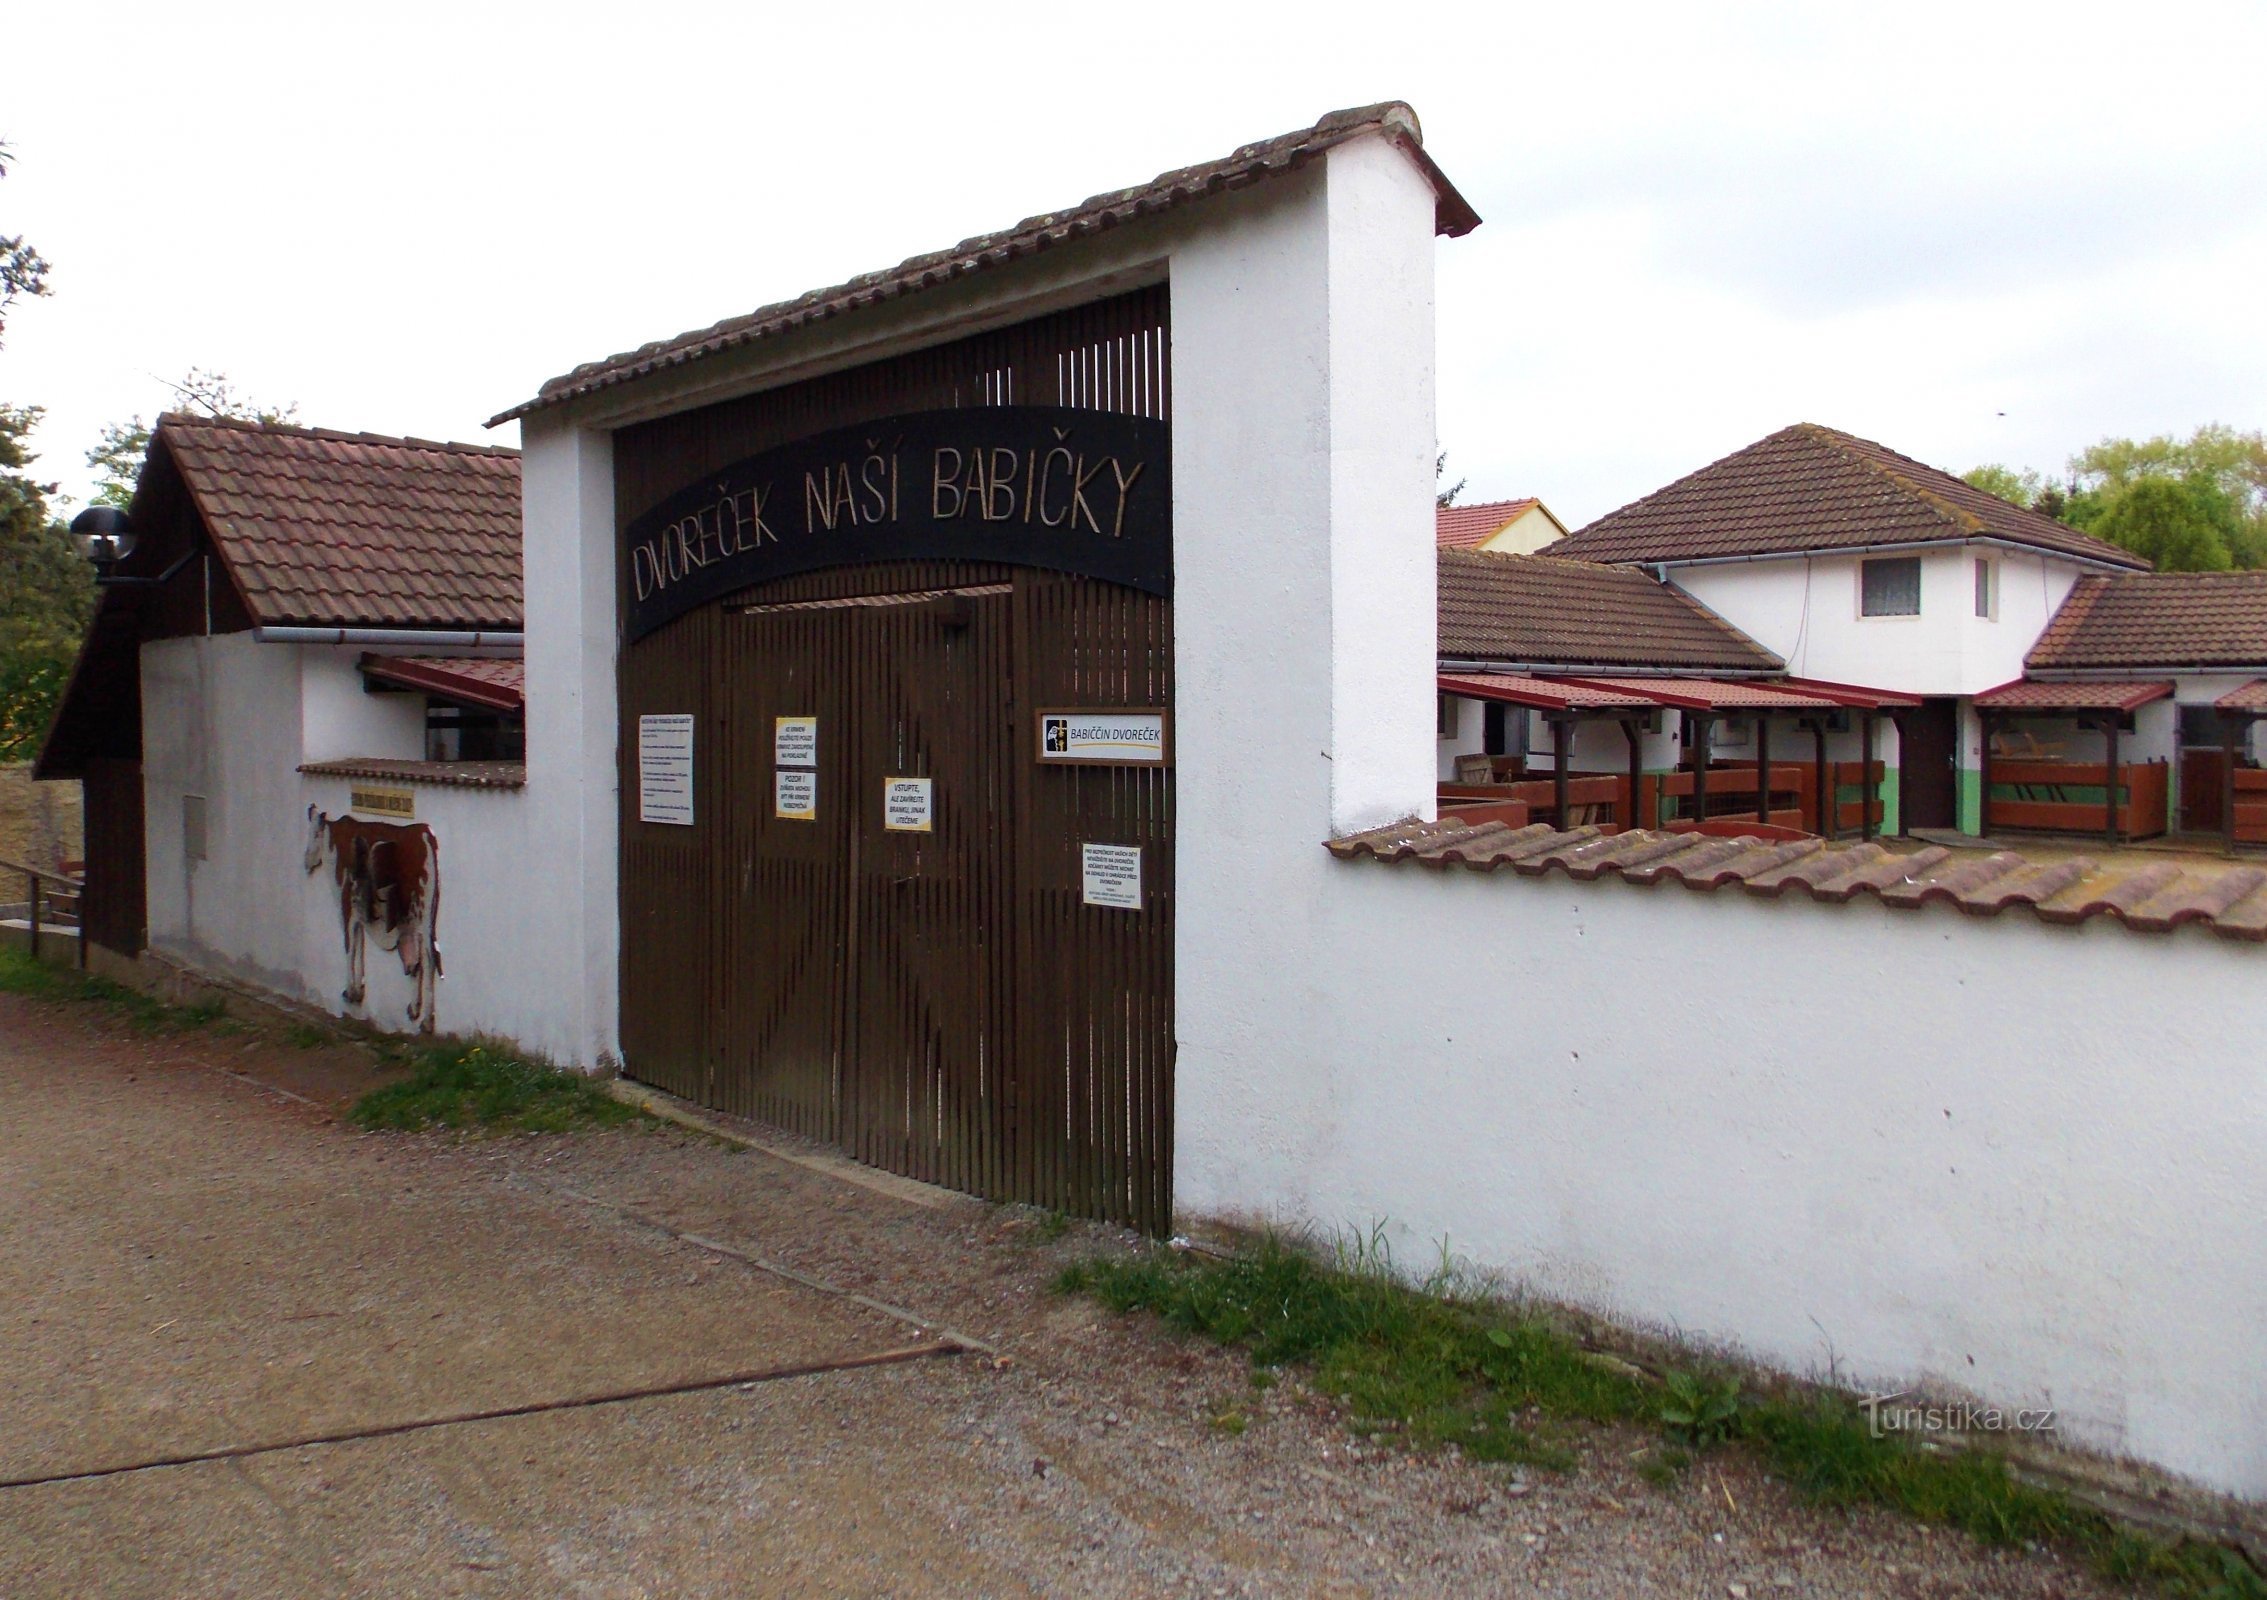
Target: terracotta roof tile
(1244,166)
(1462,527)
(452,774)
(2161,620)
(354,529)
(1541,611)
(2146,896)
(2093,695)
(498,683)
(2251,697)
(1809,488)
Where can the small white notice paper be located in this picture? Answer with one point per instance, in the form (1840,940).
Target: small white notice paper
(795,795)
(795,741)
(908,804)
(665,769)
(1112,875)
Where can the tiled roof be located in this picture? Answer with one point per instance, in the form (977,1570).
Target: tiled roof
(1462,527)
(1712,694)
(1809,488)
(501,684)
(2158,619)
(1542,611)
(2251,697)
(2115,695)
(1243,167)
(2147,896)
(352,529)
(450,774)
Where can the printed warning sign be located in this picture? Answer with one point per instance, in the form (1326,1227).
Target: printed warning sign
(665,769)
(795,741)
(908,804)
(1112,875)
(795,795)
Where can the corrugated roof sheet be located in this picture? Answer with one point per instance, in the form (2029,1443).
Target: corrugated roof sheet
(2158,619)
(451,774)
(355,529)
(2030,695)
(1246,165)
(1809,488)
(1462,527)
(477,681)
(1539,693)
(1542,611)
(2147,896)
(1717,694)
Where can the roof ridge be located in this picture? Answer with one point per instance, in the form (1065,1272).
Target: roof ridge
(1839,442)
(301,430)
(1245,164)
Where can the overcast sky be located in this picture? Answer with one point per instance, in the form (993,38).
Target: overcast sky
(1971,232)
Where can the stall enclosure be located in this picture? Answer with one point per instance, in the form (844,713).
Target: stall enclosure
(882,926)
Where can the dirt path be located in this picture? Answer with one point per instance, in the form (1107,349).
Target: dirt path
(190,1262)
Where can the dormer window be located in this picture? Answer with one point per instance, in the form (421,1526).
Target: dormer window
(1890,587)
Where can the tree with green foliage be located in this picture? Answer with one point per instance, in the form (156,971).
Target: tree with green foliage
(2205,508)
(46,591)
(117,458)
(46,595)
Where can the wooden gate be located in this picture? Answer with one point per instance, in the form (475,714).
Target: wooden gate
(943,1003)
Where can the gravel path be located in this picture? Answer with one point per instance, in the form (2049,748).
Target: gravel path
(188,1259)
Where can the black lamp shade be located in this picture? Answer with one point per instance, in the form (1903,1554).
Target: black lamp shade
(104,533)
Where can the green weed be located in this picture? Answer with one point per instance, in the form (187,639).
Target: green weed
(20,974)
(1431,1366)
(306,1036)
(456,1086)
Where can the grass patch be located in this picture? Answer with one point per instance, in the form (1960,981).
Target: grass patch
(1431,1370)
(476,1086)
(20,974)
(1433,1365)
(306,1036)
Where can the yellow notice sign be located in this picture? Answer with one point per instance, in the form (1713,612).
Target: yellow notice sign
(795,795)
(908,804)
(377,802)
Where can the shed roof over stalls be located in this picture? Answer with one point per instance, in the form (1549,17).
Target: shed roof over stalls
(1809,488)
(1565,616)
(296,526)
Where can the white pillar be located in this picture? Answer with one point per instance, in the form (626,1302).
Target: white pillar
(572,926)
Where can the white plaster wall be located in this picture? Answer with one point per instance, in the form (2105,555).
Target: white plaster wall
(1805,610)
(569,927)
(233,720)
(1958,1169)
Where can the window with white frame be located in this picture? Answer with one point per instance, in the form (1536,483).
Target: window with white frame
(1987,587)
(1890,586)
(1446,715)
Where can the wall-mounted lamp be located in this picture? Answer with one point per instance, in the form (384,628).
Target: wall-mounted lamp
(104,535)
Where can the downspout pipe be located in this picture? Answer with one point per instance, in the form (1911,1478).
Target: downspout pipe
(398,638)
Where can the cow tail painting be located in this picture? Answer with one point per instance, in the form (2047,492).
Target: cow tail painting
(388,878)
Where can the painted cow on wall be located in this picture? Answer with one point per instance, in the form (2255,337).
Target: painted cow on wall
(389,894)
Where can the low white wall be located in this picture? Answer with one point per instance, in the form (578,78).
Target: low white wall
(2017,1160)
(232,720)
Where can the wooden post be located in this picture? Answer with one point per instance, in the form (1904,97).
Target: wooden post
(1983,774)
(1562,735)
(1823,806)
(1868,790)
(1763,767)
(32,878)
(2228,725)
(2109,826)
(1702,728)
(1632,731)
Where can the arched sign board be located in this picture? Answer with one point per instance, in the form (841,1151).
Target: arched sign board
(1088,492)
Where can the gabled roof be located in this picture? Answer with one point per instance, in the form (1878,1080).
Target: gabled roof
(2160,620)
(1550,613)
(1810,488)
(1462,527)
(1244,166)
(355,529)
